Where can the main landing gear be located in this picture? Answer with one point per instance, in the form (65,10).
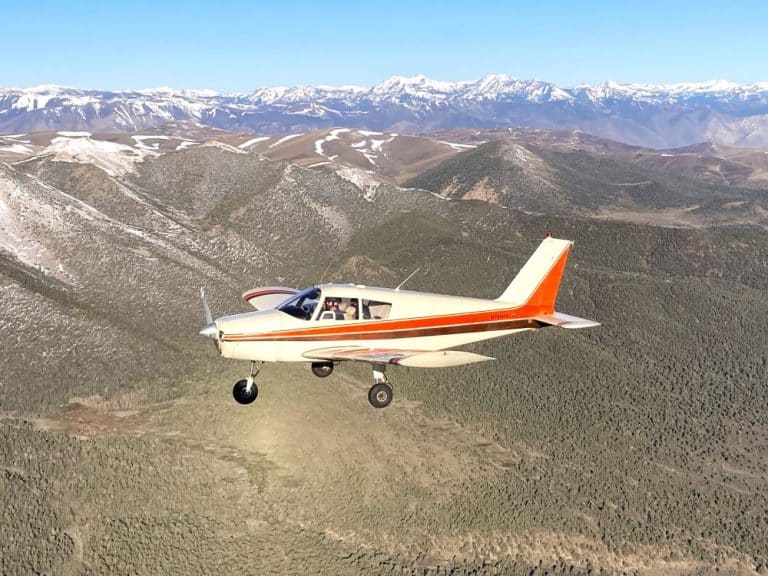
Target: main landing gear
(380,394)
(246,391)
(322,369)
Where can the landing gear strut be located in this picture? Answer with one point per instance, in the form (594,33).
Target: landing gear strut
(380,394)
(246,391)
(322,369)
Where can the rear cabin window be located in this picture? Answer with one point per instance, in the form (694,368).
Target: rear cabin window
(375,310)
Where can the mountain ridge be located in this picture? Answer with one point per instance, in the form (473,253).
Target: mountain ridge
(651,115)
(532,170)
(490,85)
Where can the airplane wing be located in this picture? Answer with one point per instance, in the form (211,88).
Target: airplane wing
(268,297)
(413,358)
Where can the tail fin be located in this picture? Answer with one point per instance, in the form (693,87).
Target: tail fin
(539,279)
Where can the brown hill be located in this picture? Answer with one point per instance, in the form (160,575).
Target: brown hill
(715,164)
(559,179)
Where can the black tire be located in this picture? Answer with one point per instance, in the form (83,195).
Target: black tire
(240,394)
(322,369)
(380,395)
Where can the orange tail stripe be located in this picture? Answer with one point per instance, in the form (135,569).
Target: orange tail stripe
(545,295)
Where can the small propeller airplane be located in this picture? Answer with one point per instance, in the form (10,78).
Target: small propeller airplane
(331,323)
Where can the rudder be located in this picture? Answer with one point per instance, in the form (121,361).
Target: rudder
(538,281)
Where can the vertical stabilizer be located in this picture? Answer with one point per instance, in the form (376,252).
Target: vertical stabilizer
(539,279)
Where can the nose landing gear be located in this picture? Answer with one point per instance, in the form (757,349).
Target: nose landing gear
(245,391)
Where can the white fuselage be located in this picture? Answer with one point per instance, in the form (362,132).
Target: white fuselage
(406,321)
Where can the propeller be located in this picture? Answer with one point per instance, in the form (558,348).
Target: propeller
(210,330)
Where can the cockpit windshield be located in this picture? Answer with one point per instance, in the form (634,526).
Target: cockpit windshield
(303,304)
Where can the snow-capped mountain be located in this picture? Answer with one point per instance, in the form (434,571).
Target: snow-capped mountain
(660,116)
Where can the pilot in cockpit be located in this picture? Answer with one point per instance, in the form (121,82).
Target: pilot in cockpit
(331,309)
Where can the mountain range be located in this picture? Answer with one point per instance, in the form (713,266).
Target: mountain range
(655,116)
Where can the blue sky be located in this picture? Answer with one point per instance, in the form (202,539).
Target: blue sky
(241,45)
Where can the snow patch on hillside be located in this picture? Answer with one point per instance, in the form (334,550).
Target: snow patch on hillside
(111,157)
(155,146)
(365,181)
(222,146)
(333,135)
(458,147)
(252,141)
(285,139)
(377,144)
(371,149)
(21,217)
(31,102)
(16,149)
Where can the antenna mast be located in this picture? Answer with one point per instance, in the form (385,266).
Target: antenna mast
(406,280)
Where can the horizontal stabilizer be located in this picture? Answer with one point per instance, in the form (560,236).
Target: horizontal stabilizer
(566,321)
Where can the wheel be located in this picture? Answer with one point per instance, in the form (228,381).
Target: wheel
(322,369)
(380,395)
(241,394)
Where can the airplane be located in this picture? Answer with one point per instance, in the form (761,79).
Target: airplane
(331,323)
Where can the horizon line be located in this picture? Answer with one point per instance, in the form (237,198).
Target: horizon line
(415,78)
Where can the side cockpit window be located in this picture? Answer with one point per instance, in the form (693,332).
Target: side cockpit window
(340,309)
(375,310)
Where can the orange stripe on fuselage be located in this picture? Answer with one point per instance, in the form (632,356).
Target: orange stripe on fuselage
(499,325)
(408,324)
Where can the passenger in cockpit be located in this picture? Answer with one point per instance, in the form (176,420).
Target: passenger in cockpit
(351,312)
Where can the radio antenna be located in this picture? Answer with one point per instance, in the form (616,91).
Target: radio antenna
(406,280)
(325,271)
